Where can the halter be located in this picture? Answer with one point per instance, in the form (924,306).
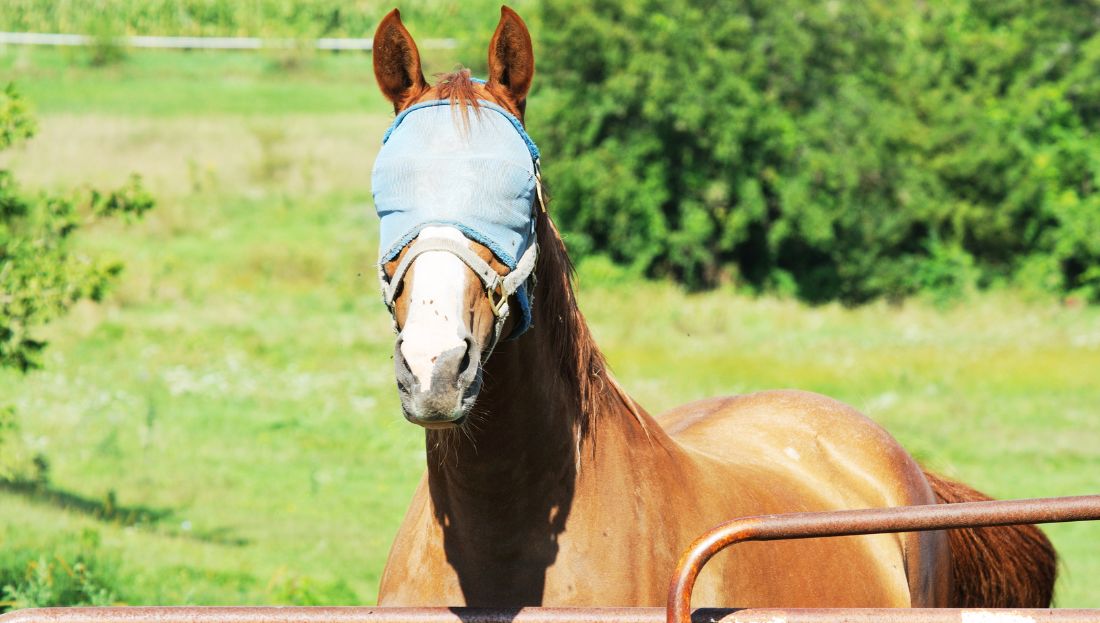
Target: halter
(481,177)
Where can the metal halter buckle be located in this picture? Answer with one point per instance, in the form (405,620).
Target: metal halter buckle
(493,290)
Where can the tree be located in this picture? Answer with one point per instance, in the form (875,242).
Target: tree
(843,150)
(40,275)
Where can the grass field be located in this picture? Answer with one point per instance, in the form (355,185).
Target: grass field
(235,394)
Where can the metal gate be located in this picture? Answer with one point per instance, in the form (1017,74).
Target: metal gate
(762,528)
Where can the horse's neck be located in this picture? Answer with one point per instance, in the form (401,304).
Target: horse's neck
(521,433)
(529,439)
(544,449)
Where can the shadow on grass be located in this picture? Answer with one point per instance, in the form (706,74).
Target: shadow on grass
(104,509)
(216,536)
(107,509)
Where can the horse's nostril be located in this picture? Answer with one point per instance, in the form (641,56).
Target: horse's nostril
(405,379)
(470,358)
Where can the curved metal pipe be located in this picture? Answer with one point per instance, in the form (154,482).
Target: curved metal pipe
(871,521)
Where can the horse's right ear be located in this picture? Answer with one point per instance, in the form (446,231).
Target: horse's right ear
(397,62)
(511,58)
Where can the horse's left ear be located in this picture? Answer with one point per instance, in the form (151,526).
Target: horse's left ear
(511,58)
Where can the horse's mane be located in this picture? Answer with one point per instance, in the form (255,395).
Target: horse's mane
(583,368)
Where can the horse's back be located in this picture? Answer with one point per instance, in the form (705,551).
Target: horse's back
(809,436)
(817,454)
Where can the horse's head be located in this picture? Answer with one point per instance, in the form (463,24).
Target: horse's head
(456,186)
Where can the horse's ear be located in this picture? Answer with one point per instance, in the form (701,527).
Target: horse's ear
(397,62)
(511,58)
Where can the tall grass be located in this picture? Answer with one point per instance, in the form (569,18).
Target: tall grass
(468,23)
(73,573)
(283,18)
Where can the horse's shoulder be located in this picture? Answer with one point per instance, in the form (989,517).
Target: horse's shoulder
(804,434)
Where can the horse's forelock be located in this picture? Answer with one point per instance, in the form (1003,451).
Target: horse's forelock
(459,87)
(464,93)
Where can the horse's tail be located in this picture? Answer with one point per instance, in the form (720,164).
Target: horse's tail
(1000,567)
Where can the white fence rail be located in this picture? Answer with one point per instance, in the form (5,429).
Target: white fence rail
(203,43)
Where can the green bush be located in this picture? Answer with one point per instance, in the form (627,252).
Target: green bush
(834,149)
(75,574)
(40,276)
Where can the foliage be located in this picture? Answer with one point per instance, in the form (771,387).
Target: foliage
(7,427)
(40,275)
(15,123)
(105,48)
(468,24)
(72,576)
(262,18)
(836,149)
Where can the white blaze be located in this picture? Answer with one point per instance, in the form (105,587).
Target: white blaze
(434,324)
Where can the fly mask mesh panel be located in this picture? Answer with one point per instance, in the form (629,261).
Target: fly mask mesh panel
(477,174)
(433,169)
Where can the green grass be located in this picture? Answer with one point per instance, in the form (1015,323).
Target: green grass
(195,84)
(238,382)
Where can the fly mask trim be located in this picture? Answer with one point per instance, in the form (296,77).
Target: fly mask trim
(481,177)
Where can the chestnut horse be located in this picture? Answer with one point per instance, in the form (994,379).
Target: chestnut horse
(546,483)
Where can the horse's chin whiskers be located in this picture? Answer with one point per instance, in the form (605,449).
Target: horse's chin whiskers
(445,446)
(485,374)
(466,427)
(472,423)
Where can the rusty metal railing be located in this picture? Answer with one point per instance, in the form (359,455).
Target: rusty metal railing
(270,614)
(763,528)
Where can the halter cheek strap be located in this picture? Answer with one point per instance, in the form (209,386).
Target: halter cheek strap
(497,287)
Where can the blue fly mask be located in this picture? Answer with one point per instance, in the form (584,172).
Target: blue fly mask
(480,175)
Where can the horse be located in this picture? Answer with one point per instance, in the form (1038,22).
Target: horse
(546,483)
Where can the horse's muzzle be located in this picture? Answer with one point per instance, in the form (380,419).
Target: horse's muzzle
(455,383)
